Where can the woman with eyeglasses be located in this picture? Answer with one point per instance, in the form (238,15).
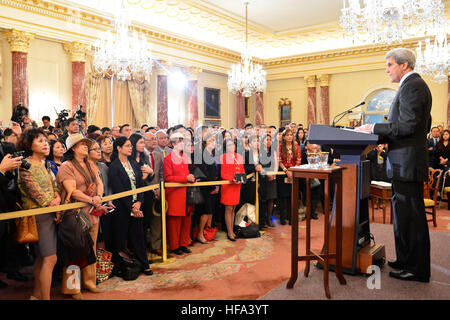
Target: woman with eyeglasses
(231,163)
(125,174)
(78,176)
(176,169)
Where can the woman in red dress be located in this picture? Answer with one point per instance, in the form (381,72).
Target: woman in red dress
(175,169)
(230,164)
(289,156)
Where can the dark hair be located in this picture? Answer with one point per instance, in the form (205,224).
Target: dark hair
(45,118)
(296,136)
(144,125)
(27,138)
(69,121)
(440,145)
(92,128)
(52,146)
(225,142)
(123,126)
(8,132)
(119,142)
(105,129)
(100,139)
(93,136)
(150,128)
(134,138)
(178,126)
(248,125)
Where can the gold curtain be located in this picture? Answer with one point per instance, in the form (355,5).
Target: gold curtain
(140,100)
(93,97)
(123,109)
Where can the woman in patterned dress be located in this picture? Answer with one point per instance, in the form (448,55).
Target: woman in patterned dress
(38,190)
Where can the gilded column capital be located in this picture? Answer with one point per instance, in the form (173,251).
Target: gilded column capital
(19,41)
(310,81)
(163,68)
(77,51)
(324,80)
(193,73)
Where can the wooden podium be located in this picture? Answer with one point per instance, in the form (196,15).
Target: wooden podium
(350,145)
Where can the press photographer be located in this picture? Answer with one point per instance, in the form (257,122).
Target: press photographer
(21,116)
(10,252)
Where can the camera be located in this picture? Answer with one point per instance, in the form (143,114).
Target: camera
(79,114)
(62,117)
(18,113)
(25,164)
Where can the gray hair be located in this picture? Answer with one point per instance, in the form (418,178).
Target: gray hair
(402,55)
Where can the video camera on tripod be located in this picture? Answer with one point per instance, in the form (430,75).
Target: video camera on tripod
(79,114)
(62,117)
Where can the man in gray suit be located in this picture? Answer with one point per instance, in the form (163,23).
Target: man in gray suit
(153,222)
(405,131)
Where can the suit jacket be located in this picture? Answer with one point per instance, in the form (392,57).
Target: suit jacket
(158,169)
(120,182)
(433,159)
(406,130)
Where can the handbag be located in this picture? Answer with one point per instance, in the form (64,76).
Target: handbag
(26,230)
(104,265)
(240,177)
(194,196)
(84,219)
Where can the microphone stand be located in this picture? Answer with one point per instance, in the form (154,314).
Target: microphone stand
(342,114)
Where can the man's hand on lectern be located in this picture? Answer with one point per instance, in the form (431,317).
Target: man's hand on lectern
(368,128)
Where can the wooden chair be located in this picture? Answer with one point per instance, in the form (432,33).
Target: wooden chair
(430,193)
(446,190)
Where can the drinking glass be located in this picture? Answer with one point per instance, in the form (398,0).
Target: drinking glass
(323,160)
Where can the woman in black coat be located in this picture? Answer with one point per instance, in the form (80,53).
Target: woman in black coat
(127,220)
(210,193)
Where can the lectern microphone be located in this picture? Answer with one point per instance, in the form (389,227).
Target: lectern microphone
(342,114)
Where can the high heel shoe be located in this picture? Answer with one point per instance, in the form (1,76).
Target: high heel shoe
(202,242)
(147,272)
(231,239)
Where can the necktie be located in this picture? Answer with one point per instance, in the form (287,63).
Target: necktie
(153,161)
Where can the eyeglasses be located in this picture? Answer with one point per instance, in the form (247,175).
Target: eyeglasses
(95,149)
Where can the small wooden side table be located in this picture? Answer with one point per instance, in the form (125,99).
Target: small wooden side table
(326,175)
(383,193)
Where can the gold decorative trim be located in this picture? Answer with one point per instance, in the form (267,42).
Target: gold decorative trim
(77,51)
(193,73)
(310,81)
(19,40)
(324,80)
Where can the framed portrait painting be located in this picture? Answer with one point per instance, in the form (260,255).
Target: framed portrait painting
(212,103)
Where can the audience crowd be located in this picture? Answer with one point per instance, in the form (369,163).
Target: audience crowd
(52,165)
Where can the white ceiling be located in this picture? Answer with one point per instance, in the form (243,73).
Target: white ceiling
(277,28)
(280,15)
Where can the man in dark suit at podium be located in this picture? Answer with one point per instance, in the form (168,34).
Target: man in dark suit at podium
(406,130)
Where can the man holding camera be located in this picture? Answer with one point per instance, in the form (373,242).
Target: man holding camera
(8,165)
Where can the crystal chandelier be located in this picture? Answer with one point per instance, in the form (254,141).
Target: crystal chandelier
(433,62)
(246,77)
(123,53)
(388,21)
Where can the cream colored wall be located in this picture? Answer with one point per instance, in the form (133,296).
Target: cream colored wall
(346,90)
(294,89)
(6,88)
(49,79)
(227,100)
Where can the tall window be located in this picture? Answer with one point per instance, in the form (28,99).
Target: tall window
(377,105)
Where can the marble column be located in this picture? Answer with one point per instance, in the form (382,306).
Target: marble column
(162,113)
(240,110)
(19,42)
(77,53)
(324,80)
(259,119)
(193,73)
(311,85)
